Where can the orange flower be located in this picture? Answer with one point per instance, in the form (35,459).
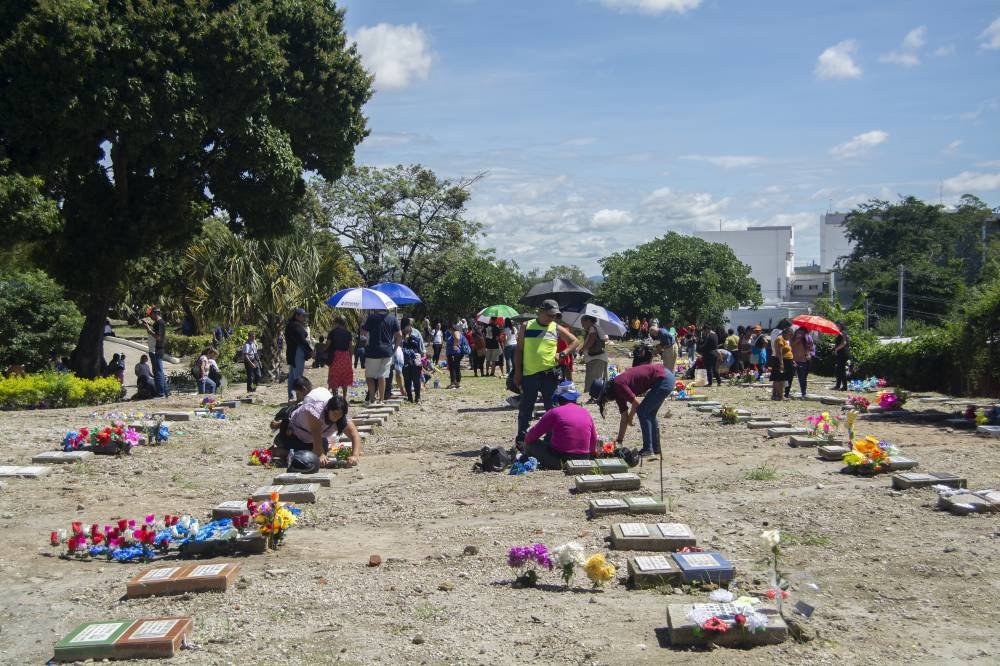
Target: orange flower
(275,496)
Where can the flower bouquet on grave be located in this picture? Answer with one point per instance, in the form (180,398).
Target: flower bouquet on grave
(599,571)
(778,590)
(568,558)
(850,420)
(869,456)
(858,402)
(523,465)
(272,518)
(866,385)
(824,426)
(115,439)
(337,457)
(980,417)
(519,557)
(729,415)
(208,401)
(127,541)
(261,457)
(727,614)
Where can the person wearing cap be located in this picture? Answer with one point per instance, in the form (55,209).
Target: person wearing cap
(647,379)
(565,432)
(297,347)
(158,332)
(666,343)
(536,361)
(384,337)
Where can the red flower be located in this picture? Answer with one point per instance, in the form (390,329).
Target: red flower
(94,529)
(54,538)
(122,524)
(77,527)
(715,624)
(97,538)
(740,618)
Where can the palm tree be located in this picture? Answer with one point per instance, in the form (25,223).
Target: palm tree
(259,282)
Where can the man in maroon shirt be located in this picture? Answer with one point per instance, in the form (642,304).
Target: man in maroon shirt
(649,379)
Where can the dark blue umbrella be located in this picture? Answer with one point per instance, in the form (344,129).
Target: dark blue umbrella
(399,293)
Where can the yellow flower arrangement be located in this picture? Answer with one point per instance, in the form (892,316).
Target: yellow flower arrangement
(598,570)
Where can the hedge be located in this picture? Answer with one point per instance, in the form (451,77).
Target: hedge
(54,389)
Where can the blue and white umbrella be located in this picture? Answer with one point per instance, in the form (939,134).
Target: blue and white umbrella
(360,298)
(607,321)
(399,293)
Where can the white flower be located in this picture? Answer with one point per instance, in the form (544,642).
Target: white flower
(756,622)
(569,553)
(721,596)
(771,537)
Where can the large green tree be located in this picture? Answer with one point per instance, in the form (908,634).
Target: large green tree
(941,252)
(677,276)
(400,224)
(471,284)
(35,319)
(141,117)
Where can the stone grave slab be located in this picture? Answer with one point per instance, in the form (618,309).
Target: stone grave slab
(785,432)
(739,412)
(833,400)
(696,398)
(32,472)
(611,465)
(767,425)
(684,633)
(368,421)
(179,579)
(656,537)
(364,429)
(698,404)
(646,571)
(574,467)
(247,400)
(341,439)
(593,482)
(706,567)
(933,399)
(250,543)
(61,457)
(645,504)
(819,398)
(302,493)
(805,441)
(229,509)
(706,407)
(988,431)
(174,416)
(832,452)
(901,463)
(962,504)
(607,505)
(158,637)
(907,480)
(231,404)
(291,478)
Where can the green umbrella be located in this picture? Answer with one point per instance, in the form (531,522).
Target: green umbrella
(504,311)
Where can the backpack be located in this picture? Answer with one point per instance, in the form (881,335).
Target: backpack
(492,460)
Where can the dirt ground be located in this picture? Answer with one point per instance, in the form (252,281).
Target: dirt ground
(893,580)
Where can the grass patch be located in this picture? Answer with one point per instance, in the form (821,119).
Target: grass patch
(764,472)
(427,611)
(807,539)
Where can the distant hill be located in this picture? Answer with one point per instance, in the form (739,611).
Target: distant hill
(596,279)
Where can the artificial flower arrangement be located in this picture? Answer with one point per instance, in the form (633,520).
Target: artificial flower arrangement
(208,401)
(523,466)
(337,458)
(272,519)
(850,420)
(858,402)
(126,541)
(824,425)
(567,558)
(729,415)
(261,457)
(867,385)
(683,390)
(743,378)
(520,557)
(113,440)
(598,570)
(741,616)
(869,455)
(889,400)
(981,417)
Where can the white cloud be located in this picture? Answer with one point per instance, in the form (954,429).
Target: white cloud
(859,144)
(837,62)
(396,54)
(953,146)
(684,209)
(851,202)
(608,218)
(969,181)
(992,164)
(915,39)
(726,161)
(652,6)
(905,58)
(580,141)
(942,51)
(991,105)
(991,36)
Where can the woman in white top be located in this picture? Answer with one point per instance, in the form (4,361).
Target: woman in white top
(251,362)
(593,351)
(509,344)
(437,342)
(321,416)
(204,367)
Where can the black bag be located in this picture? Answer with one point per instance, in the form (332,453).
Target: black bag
(307,352)
(493,460)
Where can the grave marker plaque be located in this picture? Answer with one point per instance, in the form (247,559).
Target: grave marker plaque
(988,431)
(32,472)
(785,432)
(646,571)
(604,506)
(611,465)
(645,505)
(124,639)
(832,452)
(766,425)
(684,633)
(906,480)
(174,416)
(899,463)
(302,493)
(709,566)
(182,578)
(229,509)
(660,537)
(61,457)
(962,504)
(572,467)
(319,478)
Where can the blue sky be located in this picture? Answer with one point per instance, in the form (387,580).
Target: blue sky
(605,123)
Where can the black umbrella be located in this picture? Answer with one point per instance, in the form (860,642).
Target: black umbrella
(563,291)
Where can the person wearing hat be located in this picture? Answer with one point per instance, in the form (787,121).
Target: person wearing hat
(384,337)
(297,347)
(665,338)
(158,332)
(565,432)
(647,379)
(536,361)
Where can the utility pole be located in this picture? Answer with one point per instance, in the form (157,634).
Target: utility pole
(867,312)
(899,307)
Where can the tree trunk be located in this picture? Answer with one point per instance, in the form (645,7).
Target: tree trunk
(88,357)
(271,357)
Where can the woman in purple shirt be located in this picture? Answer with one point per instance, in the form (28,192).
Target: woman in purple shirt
(645,378)
(565,432)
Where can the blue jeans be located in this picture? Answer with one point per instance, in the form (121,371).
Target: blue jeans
(159,377)
(206,385)
(646,413)
(545,382)
(296,370)
(508,357)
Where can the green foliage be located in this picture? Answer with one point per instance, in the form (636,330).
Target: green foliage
(141,117)
(764,472)
(25,212)
(977,338)
(677,276)
(472,284)
(53,389)
(35,319)
(399,224)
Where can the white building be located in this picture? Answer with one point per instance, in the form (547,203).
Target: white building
(769,251)
(833,242)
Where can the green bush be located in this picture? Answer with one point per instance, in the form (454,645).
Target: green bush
(53,389)
(35,319)
(187,345)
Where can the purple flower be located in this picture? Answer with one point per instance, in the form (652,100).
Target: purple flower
(541,555)
(518,556)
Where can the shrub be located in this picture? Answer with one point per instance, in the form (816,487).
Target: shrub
(35,319)
(53,389)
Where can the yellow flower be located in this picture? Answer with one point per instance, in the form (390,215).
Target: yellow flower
(854,458)
(598,570)
(826,416)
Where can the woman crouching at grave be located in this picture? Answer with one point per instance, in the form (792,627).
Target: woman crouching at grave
(646,378)
(320,416)
(566,432)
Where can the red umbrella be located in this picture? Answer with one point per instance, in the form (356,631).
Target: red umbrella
(814,323)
